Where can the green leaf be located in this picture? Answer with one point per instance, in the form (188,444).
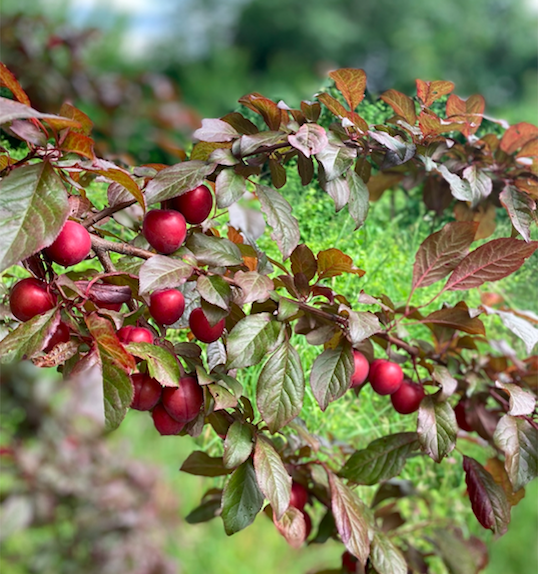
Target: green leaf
(241,499)
(339,191)
(214,251)
(223,398)
(278,213)
(116,362)
(310,139)
(331,374)
(280,388)
(177,180)
(252,142)
(351,519)
(382,459)
(520,207)
(251,339)
(362,325)
(519,442)
(29,337)
(117,392)
(437,428)
(521,402)
(160,272)
(385,556)
(201,464)
(33,210)
(162,364)
(214,290)
(359,198)
(273,478)
(229,187)
(238,444)
(336,160)
(205,512)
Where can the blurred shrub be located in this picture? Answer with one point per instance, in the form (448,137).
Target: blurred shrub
(68,502)
(136,112)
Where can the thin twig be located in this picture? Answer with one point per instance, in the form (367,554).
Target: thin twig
(123,248)
(107,212)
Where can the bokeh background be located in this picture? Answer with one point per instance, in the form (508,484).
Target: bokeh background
(146,72)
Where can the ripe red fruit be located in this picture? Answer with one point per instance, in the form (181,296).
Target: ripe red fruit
(147,392)
(109,306)
(164,229)
(62,334)
(72,245)
(407,398)
(349,563)
(299,495)
(183,403)
(201,328)
(167,306)
(31,297)
(130,334)
(461,416)
(308,523)
(195,205)
(385,377)
(361,369)
(164,423)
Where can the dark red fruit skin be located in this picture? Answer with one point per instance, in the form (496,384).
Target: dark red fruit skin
(183,403)
(147,392)
(308,523)
(407,398)
(72,245)
(349,563)
(130,334)
(167,306)
(361,371)
(31,297)
(62,334)
(201,328)
(164,423)
(195,205)
(164,229)
(386,377)
(461,416)
(299,496)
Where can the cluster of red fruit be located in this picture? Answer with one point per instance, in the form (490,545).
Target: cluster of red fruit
(171,407)
(387,378)
(298,500)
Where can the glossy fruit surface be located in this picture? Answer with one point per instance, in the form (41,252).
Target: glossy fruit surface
(361,369)
(164,229)
(62,334)
(407,398)
(183,402)
(201,328)
(147,392)
(167,306)
(31,297)
(164,423)
(299,495)
(195,205)
(72,245)
(385,377)
(130,334)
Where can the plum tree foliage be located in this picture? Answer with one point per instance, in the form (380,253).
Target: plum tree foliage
(184,302)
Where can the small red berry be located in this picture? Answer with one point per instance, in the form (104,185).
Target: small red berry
(385,377)
(183,402)
(62,334)
(195,205)
(167,306)
(31,297)
(164,423)
(407,398)
(299,495)
(72,245)
(201,328)
(361,367)
(164,229)
(308,523)
(147,392)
